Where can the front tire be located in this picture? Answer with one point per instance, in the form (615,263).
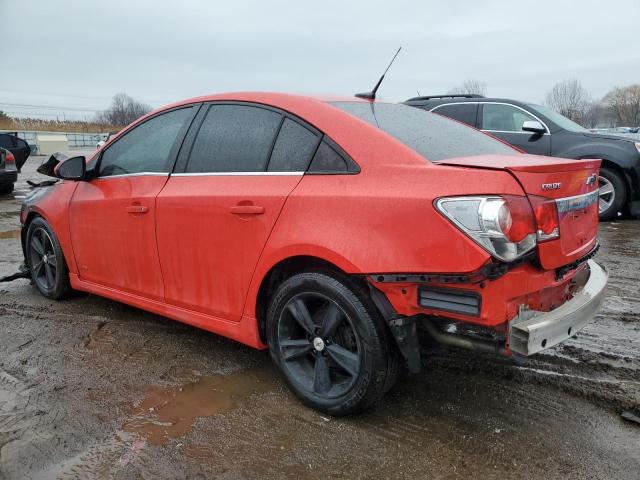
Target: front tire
(331,347)
(613,194)
(47,265)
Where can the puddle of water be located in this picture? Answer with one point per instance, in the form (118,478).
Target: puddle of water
(10,234)
(170,412)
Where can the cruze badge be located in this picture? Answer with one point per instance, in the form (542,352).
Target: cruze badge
(591,179)
(551,186)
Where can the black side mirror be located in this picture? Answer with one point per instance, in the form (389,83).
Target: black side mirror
(73,168)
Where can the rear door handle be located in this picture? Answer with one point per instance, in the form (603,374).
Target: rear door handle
(137,209)
(247,210)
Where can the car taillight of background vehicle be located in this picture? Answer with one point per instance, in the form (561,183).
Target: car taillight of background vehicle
(10,158)
(505,226)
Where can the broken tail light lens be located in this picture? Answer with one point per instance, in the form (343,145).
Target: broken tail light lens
(502,225)
(546,212)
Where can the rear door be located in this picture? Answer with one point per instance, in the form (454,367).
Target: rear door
(505,121)
(219,207)
(112,217)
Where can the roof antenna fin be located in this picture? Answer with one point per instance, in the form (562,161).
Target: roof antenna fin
(372,94)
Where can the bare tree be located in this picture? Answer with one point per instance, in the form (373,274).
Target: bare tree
(470,87)
(123,110)
(624,104)
(569,98)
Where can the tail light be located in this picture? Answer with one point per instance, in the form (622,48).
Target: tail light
(505,226)
(9,158)
(502,225)
(546,213)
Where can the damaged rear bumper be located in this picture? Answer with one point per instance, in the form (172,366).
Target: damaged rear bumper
(532,331)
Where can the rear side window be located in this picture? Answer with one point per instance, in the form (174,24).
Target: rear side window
(147,147)
(433,136)
(328,160)
(293,149)
(462,112)
(5,141)
(234,138)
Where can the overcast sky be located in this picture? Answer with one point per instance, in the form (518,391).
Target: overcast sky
(76,54)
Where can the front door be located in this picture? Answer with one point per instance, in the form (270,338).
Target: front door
(214,218)
(505,122)
(112,217)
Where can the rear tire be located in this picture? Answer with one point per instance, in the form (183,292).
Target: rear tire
(47,265)
(331,346)
(613,194)
(6,189)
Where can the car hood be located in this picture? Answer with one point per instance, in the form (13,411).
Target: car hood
(601,136)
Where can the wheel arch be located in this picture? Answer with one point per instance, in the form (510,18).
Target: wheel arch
(609,165)
(279,272)
(31,215)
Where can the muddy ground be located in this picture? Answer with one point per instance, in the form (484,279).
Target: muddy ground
(91,388)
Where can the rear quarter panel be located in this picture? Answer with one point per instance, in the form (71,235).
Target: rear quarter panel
(380,221)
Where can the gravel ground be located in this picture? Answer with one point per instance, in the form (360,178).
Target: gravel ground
(91,388)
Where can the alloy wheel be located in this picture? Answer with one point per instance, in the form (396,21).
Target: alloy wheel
(607,195)
(319,345)
(43,259)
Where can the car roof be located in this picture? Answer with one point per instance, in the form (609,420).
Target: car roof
(346,130)
(274,99)
(443,99)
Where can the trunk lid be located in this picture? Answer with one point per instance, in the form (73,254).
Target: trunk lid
(573,184)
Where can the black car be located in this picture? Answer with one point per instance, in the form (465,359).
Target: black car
(8,172)
(20,149)
(539,130)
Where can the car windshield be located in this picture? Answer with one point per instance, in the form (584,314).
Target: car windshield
(555,117)
(433,136)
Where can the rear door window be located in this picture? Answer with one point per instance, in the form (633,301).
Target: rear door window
(463,112)
(234,138)
(294,148)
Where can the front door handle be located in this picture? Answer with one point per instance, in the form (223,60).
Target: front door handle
(247,210)
(137,209)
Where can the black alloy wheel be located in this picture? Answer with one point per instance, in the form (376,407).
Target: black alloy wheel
(318,344)
(330,343)
(44,268)
(46,261)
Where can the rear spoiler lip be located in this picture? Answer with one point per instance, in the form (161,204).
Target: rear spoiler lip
(523,163)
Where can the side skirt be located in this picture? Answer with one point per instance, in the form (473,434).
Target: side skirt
(245,331)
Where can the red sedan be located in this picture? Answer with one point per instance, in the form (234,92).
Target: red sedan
(327,230)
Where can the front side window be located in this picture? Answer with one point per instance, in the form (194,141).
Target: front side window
(503,118)
(463,112)
(234,138)
(147,147)
(433,136)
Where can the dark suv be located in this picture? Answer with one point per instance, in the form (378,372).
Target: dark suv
(538,130)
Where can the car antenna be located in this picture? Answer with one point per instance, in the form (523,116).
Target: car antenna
(372,94)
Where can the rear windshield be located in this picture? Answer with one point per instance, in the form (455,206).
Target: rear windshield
(433,136)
